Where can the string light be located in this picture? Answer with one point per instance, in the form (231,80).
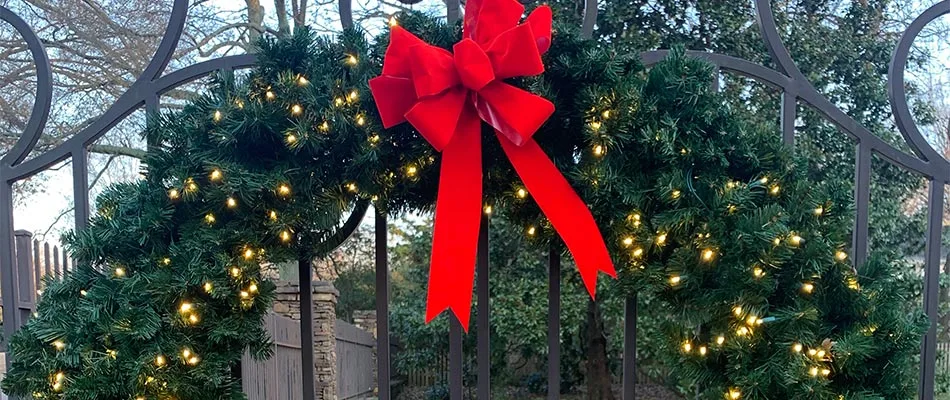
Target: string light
(57,381)
(521,193)
(675,280)
(218,115)
(244,294)
(235,272)
(808,287)
(239,103)
(272,215)
(285,236)
(687,347)
(252,288)
(751,320)
(296,109)
(353,96)
(352,187)
(185,307)
(231,202)
(190,185)
(83,292)
(702,350)
(720,340)
(661,239)
(731,208)
(325,126)
(59,345)
(742,331)
(291,138)
(774,190)
(813,371)
(283,189)
(840,255)
(825,372)
(173,194)
(708,255)
(248,253)
(119,272)
(737,310)
(627,241)
(360,120)
(853,283)
(638,252)
(531,230)
(411,170)
(676,194)
(374,139)
(209,218)
(338,101)
(734,394)
(758,272)
(352,60)
(796,239)
(160,360)
(819,210)
(599,150)
(269,95)
(812,352)
(606,114)
(764,180)
(487,209)
(595,125)
(112,353)
(777,241)
(797,347)
(166,261)
(393,22)
(208,287)
(302,81)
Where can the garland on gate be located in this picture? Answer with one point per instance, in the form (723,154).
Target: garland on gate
(713,216)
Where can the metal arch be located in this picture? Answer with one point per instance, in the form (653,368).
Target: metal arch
(44,89)
(814,99)
(896,91)
(346,231)
(130,101)
(166,48)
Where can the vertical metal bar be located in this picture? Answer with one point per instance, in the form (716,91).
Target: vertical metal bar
(452,11)
(81,186)
(928,352)
(7,270)
(456,367)
(787,119)
(484,314)
(630,348)
(862,200)
(554,322)
(382,306)
(306,328)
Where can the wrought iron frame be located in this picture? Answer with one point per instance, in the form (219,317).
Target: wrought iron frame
(19,298)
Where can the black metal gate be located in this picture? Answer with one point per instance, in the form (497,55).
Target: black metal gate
(19,298)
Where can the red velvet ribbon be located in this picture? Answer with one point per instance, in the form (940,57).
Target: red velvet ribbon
(445,96)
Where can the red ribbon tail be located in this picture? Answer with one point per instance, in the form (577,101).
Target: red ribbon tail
(563,207)
(457,218)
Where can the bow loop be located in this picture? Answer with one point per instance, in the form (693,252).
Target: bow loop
(437,74)
(474,67)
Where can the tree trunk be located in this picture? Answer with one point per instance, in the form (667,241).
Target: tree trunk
(255,18)
(300,13)
(598,372)
(283,25)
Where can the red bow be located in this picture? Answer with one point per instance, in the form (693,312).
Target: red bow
(444,96)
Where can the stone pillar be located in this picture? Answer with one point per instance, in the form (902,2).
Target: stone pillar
(325,297)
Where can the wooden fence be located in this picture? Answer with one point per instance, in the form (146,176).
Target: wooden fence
(279,377)
(355,356)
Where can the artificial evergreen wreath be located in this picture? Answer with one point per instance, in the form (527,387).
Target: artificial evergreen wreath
(714,217)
